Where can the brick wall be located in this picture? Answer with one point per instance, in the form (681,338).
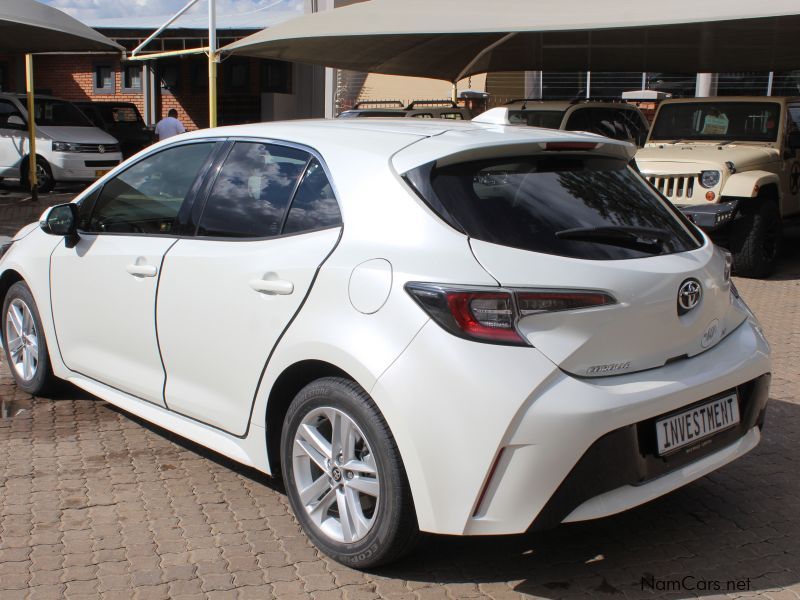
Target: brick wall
(72,78)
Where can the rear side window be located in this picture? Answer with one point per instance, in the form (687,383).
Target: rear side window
(580,207)
(314,206)
(252,191)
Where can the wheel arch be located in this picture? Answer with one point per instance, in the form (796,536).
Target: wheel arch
(7,279)
(751,184)
(293,378)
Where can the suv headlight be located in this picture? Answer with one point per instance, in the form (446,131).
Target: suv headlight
(710,179)
(64,147)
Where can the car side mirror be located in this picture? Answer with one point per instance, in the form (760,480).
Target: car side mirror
(794,141)
(62,220)
(16,122)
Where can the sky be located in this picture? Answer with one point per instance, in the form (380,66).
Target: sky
(94,9)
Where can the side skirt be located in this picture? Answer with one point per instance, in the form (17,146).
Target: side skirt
(250,451)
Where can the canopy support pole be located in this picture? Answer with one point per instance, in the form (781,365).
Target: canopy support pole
(31,128)
(454,93)
(212,63)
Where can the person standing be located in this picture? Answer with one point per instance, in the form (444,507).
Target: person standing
(169,126)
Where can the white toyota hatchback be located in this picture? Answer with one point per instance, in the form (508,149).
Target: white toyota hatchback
(424,326)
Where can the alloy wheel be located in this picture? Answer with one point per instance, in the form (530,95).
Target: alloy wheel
(336,475)
(42,176)
(22,339)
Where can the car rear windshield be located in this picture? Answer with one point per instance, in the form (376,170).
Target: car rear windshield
(593,208)
(726,121)
(119,113)
(550,119)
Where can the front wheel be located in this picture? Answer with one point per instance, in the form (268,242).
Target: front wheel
(44,176)
(755,241)
(24,343)
(344,476)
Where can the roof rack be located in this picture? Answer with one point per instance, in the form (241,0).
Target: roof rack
(379,104)
(416,103)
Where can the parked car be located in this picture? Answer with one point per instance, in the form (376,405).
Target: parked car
(422,325)
(419,109)
(732,164)
(123,121)
(68,147)
(616,120)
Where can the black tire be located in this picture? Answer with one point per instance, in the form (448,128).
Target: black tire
(44,182)
(42,380)
(394,530)
(755,241)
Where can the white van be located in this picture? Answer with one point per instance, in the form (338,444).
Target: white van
(68,146)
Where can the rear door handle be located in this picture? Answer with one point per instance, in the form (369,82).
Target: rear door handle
(142,270)
(272,286)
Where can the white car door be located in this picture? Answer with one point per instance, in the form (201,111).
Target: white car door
(13,138)
(227,295)
(104,288)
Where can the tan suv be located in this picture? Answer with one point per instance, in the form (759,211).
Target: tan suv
(732,165)
(616,120)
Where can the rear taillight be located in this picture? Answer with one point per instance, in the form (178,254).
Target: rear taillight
(531,303)
(491,314)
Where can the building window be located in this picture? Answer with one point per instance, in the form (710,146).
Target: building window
(3,77)
(276,76)
(236,75)
(199,70)
(132,78)
(169,73)
(103,79)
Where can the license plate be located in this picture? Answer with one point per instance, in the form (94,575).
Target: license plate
(101,172)
(693,425)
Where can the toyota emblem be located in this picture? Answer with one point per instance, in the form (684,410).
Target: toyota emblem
(689,295)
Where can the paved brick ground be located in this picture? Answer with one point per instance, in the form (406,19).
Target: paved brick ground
(96,504)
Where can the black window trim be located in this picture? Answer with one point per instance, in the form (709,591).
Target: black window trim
(185,205)
(213,173)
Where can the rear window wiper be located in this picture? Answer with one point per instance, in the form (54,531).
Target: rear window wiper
(647,239)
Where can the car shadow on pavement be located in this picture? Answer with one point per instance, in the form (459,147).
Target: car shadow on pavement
(789,265)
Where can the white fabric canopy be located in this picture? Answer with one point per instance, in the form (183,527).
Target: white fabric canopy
(27,26)
(450,39)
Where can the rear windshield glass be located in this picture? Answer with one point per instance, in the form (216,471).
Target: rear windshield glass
(727,121)
(592,208)
(550,119)
(119,113)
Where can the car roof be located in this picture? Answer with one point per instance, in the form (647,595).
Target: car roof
(773,99)
(20,96)
(560,105)
(387,136)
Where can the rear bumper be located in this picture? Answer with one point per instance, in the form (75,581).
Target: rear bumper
(496,440)
(622,469)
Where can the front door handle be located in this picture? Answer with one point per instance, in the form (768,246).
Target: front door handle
(142,270)
(272,286)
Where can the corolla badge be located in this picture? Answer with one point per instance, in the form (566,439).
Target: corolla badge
(689,295)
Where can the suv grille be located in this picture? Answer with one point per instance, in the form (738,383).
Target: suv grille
(675,186)
(95,148)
